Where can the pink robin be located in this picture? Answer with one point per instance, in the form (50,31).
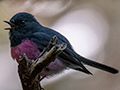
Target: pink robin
(28,36)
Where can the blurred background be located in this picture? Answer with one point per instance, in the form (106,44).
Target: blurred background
(92,27)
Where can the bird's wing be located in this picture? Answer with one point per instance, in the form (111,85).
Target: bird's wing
(42,38)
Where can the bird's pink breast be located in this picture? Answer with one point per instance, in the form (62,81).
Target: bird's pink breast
(28,47)
(31,50)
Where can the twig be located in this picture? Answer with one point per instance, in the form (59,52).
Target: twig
(28,69)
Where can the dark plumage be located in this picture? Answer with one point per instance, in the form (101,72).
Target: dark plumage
(27,35)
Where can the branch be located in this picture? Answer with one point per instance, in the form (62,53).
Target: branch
(28,69)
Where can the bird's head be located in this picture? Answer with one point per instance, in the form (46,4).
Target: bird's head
(22,25)
(21,22)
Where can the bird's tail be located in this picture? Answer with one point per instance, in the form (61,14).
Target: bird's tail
(98,65)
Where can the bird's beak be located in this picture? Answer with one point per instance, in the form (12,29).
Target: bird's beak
(11,24)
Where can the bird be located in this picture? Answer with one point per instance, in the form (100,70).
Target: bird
(28,36)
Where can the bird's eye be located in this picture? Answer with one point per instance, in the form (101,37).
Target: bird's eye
(12,21)
(22,22)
